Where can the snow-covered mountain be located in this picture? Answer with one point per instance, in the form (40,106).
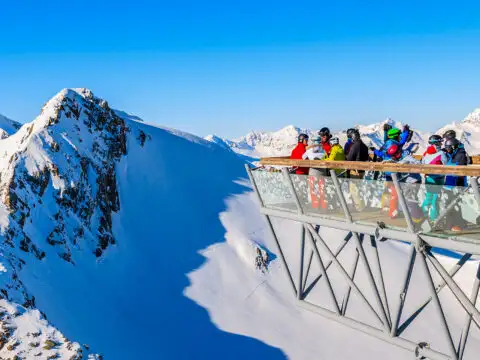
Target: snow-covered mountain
(468,131)
(8,127)
(280,143)
(101,217)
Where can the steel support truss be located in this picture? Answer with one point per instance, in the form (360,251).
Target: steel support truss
(389,326)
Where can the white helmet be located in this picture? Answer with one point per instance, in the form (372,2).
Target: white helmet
(334,141)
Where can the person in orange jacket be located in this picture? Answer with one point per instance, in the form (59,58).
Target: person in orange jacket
(297,153)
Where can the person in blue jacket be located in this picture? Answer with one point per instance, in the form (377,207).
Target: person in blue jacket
(456,155)
(394,141)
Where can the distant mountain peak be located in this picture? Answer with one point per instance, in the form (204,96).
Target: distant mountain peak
(473,118)
(8,126)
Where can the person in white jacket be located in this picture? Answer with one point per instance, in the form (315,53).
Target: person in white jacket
(314,151)
(315,176)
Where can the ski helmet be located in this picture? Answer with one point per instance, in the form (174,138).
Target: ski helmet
(302,137)
(394,151)
(334,141)
(325,132)
(354,134)
(451,144)
(350,133)
(317,140)
(450,134)
(393,133)
(435,139)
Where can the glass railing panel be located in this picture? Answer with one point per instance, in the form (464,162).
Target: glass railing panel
(373,202)
(274,190)
(450,211)
(318,196)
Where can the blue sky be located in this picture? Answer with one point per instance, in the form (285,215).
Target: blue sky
(228,68)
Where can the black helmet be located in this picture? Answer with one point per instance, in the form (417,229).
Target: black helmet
(435,139)
(325,132)
(451,144)
(353,134)
(450,134)
(302,137)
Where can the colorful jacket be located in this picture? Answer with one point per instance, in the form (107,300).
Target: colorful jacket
(382,153)
(434,156)
(458,157)
(336,154)
(348,146)
(297,154)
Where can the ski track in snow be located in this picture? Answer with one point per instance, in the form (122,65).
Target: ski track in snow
(243,301)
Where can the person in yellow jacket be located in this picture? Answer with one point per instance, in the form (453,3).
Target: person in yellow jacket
(336,153)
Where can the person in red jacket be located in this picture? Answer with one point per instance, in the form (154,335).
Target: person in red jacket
(325,135)
(297,153)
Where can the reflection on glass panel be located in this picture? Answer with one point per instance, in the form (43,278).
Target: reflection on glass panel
(373,202)
(273,190)
(435,209)
(449,211)
(318,196)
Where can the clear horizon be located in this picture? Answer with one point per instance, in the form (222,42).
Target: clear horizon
(215,68)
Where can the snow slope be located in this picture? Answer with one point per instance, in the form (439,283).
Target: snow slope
(102,216)
(262,305)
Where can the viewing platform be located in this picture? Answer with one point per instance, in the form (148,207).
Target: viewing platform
(380,202)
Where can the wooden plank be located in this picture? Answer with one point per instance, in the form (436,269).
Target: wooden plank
(470,170)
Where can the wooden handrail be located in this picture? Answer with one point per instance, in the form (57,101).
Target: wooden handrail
(470,170)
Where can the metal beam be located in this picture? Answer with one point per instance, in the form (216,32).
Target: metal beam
(300,271)
(324,273)
(330,262)
(436,301)
(370,330)
(460,244)
(438,288)
(456,291)
(361,251)
(468,319)
(342,271)
(346,297)
(406,283)
(383,292)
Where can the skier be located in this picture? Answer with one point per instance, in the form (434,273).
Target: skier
(325,136)
(336,152)
(349,142)
(314,151)
(395,139)
(452,134)
(392,151)
(315,178)
(357,151)
(434,155)
(298,151)
(260,262)
(456,155)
